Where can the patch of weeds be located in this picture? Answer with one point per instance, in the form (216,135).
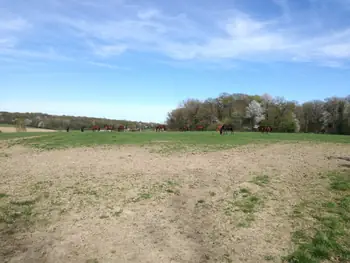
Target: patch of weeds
(299,210)
(246,221)
(17,214)
(269,258)
(299,236)
(85,192)
(4,155)
(142,196)
(23,203)
(246,204)
(3,195)
(329,240)
(261,180)
(145,196)
(158,189)
(244,191)
(212,193)
(172,183)
(92,260)
(340,181)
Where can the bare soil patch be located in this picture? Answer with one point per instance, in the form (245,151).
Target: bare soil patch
(13,129)
(125,204)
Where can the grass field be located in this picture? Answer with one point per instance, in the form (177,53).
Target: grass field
(174,197)
(168,140)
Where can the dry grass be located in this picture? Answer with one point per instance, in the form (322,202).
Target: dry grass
(125,204)
(7,129)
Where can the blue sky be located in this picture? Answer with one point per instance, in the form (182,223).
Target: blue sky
(138,59)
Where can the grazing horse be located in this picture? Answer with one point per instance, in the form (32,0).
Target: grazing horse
(82,129)
(121,128)
(199,128)
(67,129)
(160,128)
(265,129)
(224,129)
(184,128)
(109,127)
(96,128)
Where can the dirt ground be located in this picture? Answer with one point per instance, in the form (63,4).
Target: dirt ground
(125,204)
(13,129)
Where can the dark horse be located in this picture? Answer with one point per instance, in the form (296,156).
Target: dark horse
(121,128)
(82,129)
(160,128)
(67,129)
(265,129)
(224,129)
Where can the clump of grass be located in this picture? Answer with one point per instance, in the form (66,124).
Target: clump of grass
(340,181)
(3,195)
(269,258)
(17,214)
(329,239)
(261,180)
(246,204)
(158,190)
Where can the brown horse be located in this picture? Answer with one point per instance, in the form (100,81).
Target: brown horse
(95,128)
(109,127)
(265,129)
(199,128)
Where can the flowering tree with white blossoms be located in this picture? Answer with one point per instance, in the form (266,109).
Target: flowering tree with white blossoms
(255,112)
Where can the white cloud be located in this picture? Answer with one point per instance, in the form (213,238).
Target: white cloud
(232,35)
(105,65)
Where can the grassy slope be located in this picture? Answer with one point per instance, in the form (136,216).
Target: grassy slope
(173,140)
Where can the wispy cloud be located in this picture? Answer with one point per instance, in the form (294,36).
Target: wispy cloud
(103,33)
(105,65)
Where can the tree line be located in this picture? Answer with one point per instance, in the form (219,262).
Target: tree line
(47,121)
(246,112)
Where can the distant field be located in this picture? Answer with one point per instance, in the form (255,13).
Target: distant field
(5,128)
(168,141)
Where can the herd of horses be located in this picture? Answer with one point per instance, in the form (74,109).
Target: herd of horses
(223,129)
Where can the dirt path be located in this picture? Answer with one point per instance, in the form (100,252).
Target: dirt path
(128,205)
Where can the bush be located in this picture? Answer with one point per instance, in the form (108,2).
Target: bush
(287,126)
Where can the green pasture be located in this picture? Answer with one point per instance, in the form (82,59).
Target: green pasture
(172,140)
